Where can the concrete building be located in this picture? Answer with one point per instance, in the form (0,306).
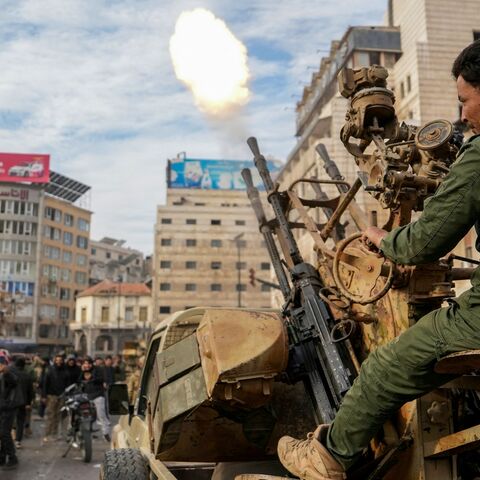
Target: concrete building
(20,249)
(205,243)
(432,34)
(111,259)
(44,236)
(63,268)
(110,314)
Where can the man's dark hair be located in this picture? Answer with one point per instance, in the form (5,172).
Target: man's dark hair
(20,362)
(467,64)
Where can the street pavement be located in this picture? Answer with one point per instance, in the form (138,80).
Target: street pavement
(39,461)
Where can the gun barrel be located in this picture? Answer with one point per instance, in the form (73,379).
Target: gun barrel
(254,197)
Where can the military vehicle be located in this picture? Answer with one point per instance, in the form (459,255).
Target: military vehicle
(220,386)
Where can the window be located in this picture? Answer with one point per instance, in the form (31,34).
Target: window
(68,220)
(67,238)
(241,243)
(57,215)
(64,313)
(83,225)
(165,264)
(265,266)
(190,287)
(409,83)
(83,315)
(108,255)
(374,58)
(67,257)
(129,314)
(80,278)
(64,294)
(105,315)
(265,288)
(240,265)
(402,90)
(191,242)
(190,264)
(166,221)
(93,251)
(143,314)
(164,309)
(239,222)
(165,242)
(241,287)
(216,287)
(65,274)
(216,265)
(82,242)
(215,222)
(476,35)
(191,221)
(215,243)
(165,287)
(81,260)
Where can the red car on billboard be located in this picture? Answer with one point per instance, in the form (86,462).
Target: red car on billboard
(21,167)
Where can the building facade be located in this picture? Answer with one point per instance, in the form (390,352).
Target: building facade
(206,242)
(64,268)
(44,237)
(111,259)
(20,249)
(109,315)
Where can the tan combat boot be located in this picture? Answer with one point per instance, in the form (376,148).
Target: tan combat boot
(309,459)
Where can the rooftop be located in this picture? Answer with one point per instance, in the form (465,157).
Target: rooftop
(108,288)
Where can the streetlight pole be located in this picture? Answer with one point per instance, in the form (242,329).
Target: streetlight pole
(239,270)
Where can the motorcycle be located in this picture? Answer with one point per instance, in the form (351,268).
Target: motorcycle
(81,414)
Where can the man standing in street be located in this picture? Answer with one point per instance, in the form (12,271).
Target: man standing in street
(93,384)
(402,370)
(8,383)
(73,370)
(54,384)
(25,380)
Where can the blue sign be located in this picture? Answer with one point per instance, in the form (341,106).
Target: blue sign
(215,174)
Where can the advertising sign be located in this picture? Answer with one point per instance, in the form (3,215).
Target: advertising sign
(214,174)
(24,167)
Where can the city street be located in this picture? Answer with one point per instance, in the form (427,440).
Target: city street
(45,462)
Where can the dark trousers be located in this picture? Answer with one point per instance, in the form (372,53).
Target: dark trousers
(20,422)
(6,442)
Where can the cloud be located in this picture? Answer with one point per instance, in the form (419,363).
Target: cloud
(91,83)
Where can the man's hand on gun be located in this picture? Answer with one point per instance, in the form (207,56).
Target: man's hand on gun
(372,238)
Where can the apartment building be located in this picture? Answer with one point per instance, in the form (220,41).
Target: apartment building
(44,235)
(111,259)
(64,268)
(206,242)
(20,240)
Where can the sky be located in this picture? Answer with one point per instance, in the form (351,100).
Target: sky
(91,83)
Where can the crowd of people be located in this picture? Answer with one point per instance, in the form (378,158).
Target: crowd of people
(38,384)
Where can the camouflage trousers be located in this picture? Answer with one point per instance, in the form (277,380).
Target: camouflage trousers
(53,407)
(399,372)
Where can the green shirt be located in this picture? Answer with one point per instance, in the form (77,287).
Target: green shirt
(447,217)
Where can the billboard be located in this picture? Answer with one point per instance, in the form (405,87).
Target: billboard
(24,167)
(214,174)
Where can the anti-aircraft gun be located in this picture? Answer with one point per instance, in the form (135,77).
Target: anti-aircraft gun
(368,300)
(220,386)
